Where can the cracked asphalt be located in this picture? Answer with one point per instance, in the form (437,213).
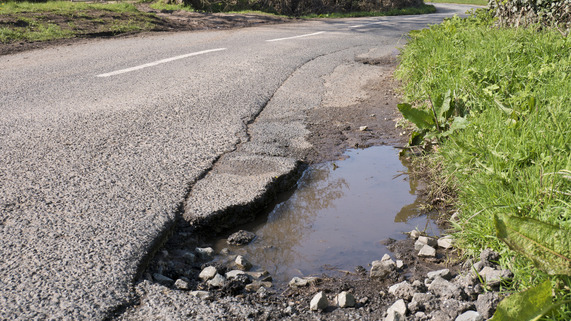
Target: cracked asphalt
(94,170)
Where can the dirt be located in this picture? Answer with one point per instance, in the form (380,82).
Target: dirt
(334,130)
(91,24)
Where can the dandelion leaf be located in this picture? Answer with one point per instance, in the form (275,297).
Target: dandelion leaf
(422,119)
(548,246)
(528,305)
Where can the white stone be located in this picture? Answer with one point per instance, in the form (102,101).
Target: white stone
(207,273)
(444,273)
(445,243)
(386,257)
(182,284)
(234,273)
(414,234)
(400,264)
(242,263)
(205,253)
(257,274)
(428,240)
(363,128)
(427,251)
(200,294)
(397,311)
(345,300)
(217,281)
(418,245)
(380,269)
(470,316)
(319,302)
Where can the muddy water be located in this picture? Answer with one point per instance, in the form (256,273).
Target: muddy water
(338,217)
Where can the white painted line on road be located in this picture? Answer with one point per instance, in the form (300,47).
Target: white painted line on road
(294,37)
(365,25)
(158,62)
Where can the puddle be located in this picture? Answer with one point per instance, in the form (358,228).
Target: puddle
(337,218)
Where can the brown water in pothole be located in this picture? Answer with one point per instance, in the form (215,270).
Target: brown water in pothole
(337,218)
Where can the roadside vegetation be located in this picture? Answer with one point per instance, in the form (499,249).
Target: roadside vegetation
(491,101)
(23,21)
(41,21)
(473,2)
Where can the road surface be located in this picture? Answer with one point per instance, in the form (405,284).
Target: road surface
(101,143)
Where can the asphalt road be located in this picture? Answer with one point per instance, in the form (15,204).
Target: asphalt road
(101,142)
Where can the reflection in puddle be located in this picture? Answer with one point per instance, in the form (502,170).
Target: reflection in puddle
(337,217)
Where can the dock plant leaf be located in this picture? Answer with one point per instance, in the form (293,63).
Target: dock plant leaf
(528,305)
(548,246)
(422,119)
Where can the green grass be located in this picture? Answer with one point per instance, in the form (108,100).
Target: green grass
(474,2)
(28,21)
(170,7)
(64,7)
(394,12)
(512,157)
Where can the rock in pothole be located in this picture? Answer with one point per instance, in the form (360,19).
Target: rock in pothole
(241,238)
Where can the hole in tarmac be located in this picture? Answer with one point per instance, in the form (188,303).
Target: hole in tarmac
(337,218)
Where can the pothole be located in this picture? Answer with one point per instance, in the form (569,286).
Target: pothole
(340,217)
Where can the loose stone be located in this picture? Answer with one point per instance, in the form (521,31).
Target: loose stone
(400,264)
(494,277)
(242,263)
(445,243)
(428,240)
(486,304)
(217,281)
(397,311)
(241,238)
(444,273)
(427,251)
(205,253)
(445,289)
(207,273)
(319,302)
(188,257)
(418,245)
(402,290)
(489,257)
(205,295)
(381,269)
(363,128)
(234,273)
(470,316)
(182,284)
(345,300)
(163,280)
(414,234)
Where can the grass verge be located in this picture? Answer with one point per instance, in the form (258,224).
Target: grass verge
(28,21)
(473,2)
(514,155)
(393,12)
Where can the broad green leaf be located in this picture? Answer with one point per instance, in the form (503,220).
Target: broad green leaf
(420,118)
(445,107)
(459,123)
(528,305)
(548,246)
(416,138)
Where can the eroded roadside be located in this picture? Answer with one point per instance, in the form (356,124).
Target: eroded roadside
(299,128)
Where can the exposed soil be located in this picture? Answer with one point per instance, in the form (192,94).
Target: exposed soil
(89,24)
(333,130)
